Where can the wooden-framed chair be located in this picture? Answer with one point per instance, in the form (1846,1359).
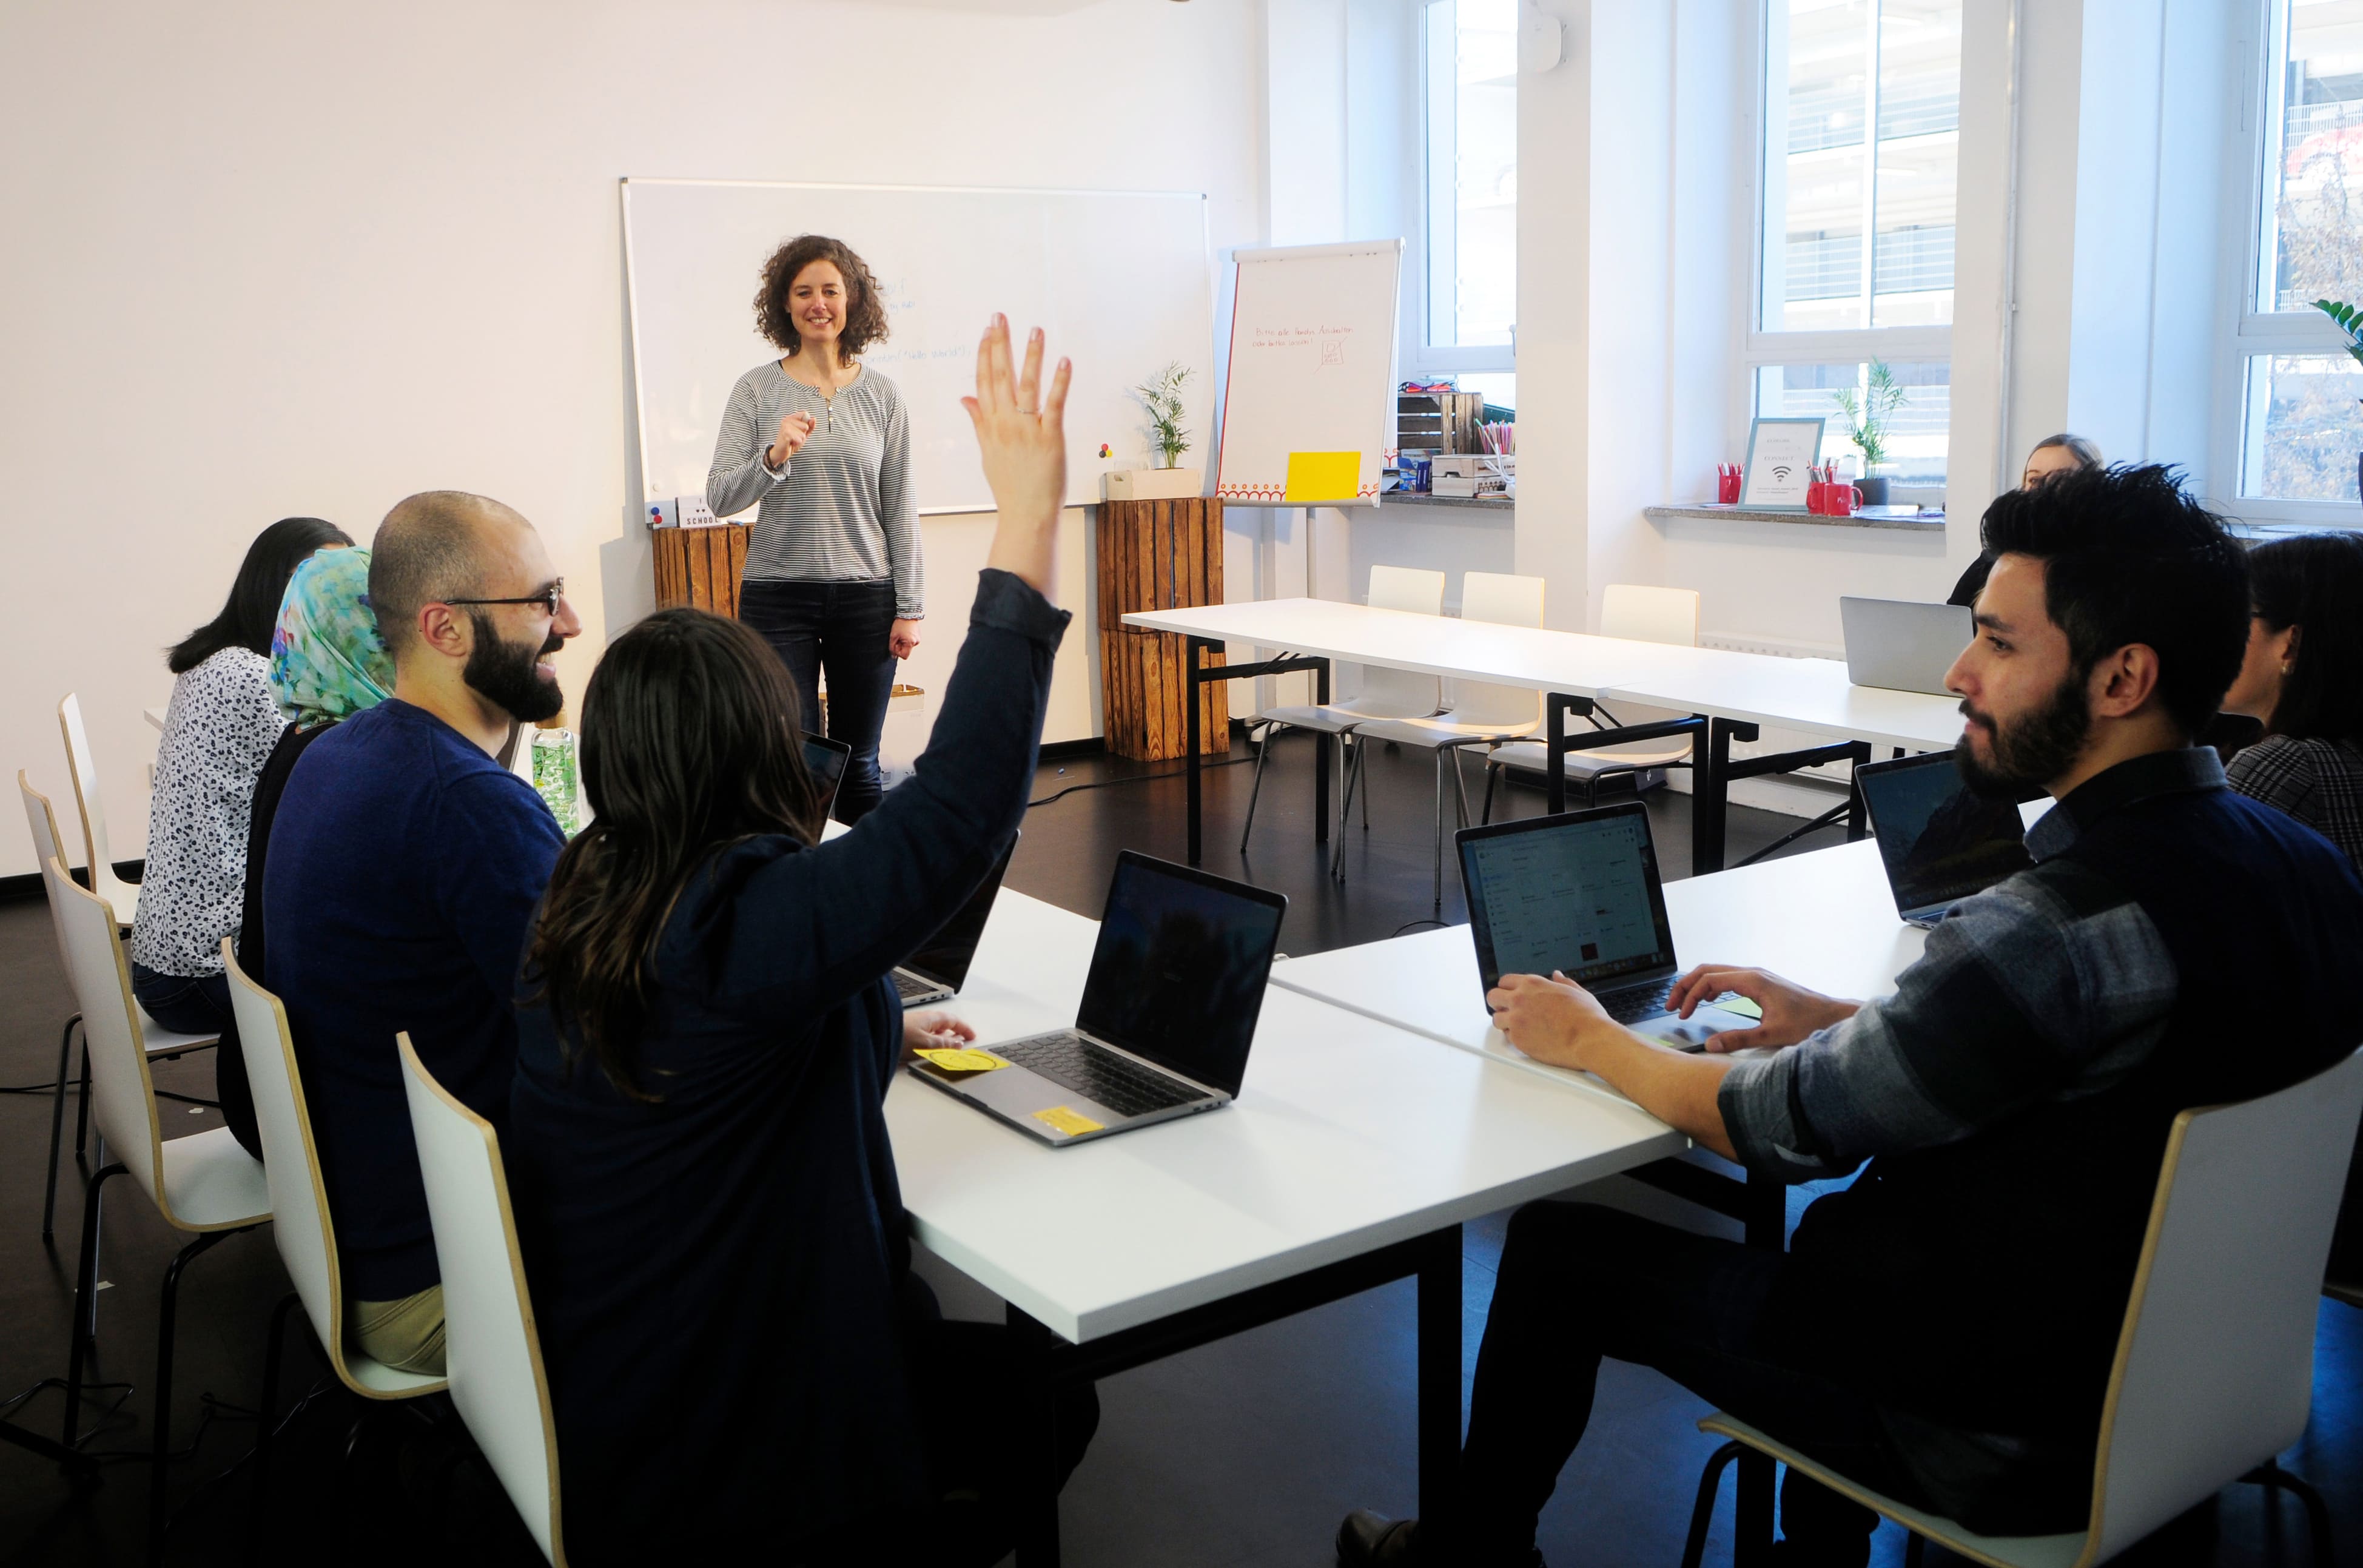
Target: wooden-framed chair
(1639,614)
(83,768)
(490,1349)
(304,1228)
(158,1040)
(2215,1368)
(203,1184)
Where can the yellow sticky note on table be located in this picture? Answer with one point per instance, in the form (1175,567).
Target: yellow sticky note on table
(1323,476)
(1740,1004)
(961,1060)
(1067,1121)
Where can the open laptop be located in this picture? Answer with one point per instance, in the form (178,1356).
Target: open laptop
(936,972)
(1169,1011)
(1578,893)
(1939,841)
(825,760)
(1900,644)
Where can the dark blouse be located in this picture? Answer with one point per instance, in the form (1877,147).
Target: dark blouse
(716,1275)
(2318,782)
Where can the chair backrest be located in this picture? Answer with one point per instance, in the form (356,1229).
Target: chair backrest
(491,1350)
(123,1100)
(2214,1369)
(1503,599)
(1650,615)
(84,770)
(43,823)
(1404,693)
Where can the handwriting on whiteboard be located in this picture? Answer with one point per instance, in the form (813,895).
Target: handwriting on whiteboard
(1329,341)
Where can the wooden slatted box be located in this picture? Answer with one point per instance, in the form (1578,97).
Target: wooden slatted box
(1157,555)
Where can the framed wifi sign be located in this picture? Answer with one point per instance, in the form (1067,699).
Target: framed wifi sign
(1781,458)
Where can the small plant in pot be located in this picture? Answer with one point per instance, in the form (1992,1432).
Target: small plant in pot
(2349,322)
(1162,398)
(1867,417)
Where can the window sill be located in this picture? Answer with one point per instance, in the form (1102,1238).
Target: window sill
(1894,518)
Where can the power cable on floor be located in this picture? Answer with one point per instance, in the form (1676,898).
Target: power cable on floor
(1135,778)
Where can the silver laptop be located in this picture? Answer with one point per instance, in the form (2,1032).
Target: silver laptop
(1940,842)
(937,971)
(1900,644)
(1578,893)
(1169,1011)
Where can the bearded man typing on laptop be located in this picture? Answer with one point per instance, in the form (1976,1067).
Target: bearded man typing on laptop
(1942,1330)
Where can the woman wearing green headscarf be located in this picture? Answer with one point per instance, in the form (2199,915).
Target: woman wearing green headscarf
(327,662)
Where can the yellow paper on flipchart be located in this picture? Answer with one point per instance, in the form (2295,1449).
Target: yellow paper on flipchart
(952,1060)
(1067,1121)
(1323,476)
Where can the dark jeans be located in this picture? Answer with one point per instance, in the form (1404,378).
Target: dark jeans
(845,629)
(1578,1282)
(200,1004)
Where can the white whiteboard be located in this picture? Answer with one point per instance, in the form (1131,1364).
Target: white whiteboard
(1120,282)
(1312,374)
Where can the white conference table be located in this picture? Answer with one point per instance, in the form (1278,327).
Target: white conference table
(1732,693)
(1352,1155)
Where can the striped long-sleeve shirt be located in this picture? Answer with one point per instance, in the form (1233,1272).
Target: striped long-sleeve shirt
(842,510)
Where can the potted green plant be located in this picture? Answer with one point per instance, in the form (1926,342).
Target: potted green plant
(2349,322)
(1867,418)
(1162,398)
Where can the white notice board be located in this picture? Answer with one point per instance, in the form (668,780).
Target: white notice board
(1308,411)
(1121,281)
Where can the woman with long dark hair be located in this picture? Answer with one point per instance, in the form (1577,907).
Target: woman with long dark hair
(2304,677)
(739,1352)
(820,445)
(218,731)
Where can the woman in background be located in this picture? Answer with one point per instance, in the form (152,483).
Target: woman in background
(820,445)
(218,731)
(327,662)
(2303,678)
(2052,454)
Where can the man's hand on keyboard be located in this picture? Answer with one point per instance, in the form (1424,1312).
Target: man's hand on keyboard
(1553,1020)
(1790,1012)
(933,1031)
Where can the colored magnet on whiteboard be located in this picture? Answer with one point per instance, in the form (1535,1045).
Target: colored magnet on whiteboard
(1103,449)
(1322,477)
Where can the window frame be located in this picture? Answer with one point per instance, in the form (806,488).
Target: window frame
(1431,179)
(1760,348)
(2244,332)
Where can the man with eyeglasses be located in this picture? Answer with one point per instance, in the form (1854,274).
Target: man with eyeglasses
(405,866)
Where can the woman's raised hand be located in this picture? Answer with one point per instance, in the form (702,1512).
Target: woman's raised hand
(794,430)
(1021,435)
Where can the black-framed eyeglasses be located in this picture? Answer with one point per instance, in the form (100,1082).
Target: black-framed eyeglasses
(548,598)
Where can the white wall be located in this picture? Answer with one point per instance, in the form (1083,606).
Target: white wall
(280,258)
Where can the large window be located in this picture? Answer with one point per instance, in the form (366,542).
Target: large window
(1464,285)
(1854,233)
(2299,421)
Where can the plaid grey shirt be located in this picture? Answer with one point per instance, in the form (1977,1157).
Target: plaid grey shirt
(2048,986)
(2320,782)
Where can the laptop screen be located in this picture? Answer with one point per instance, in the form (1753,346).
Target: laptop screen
(1178,975)
(1577,893)
(944,958)
(1940,842)
(825,760)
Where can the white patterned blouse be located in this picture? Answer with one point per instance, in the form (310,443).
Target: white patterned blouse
(218,733)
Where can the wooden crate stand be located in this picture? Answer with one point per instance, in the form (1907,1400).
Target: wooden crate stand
(1157,555)
(699,566)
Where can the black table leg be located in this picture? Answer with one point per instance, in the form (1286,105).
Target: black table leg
(1440,1376)
(1189,731)
(1709,804)
(1765,1225)
(1036,1513)
(1555,750)
(1321,761)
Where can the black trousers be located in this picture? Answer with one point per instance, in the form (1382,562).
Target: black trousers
(200,1004)
(1579,1282)
(845,629)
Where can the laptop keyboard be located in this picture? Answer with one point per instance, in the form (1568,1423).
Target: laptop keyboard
(1640,1002)
(1116,1082)
(909,986)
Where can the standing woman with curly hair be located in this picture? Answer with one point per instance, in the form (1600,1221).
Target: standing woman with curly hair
(820,445)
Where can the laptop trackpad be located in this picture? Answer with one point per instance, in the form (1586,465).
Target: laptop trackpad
(1017,1093)
(1691,1033)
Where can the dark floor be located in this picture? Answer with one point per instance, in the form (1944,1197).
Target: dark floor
(1243,1452)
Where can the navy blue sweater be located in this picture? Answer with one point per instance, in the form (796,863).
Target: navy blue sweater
(715,1277)
(404,870)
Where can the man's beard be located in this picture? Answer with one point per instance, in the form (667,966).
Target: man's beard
(2031,752)
(502,674)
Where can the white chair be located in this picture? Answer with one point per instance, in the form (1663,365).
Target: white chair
(160,1042)
(203,1184)
(1385,694)
(1481,714)
(305,1230)
(124,896)
(490,1346)
(2215,1368)
(1639,614)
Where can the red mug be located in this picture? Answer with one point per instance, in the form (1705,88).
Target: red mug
(1817,497)
(1839,500)
(1726,488)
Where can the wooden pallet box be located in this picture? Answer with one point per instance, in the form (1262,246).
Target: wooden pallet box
(699,566)
(1153,555)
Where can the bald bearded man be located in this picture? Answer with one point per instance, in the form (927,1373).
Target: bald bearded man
(403,868)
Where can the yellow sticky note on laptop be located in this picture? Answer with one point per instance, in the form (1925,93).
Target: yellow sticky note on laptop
(1731,1003)
(1064,1120)
(961,1060)
(1322,477)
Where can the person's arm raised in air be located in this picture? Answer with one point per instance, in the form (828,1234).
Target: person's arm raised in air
(817,926)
